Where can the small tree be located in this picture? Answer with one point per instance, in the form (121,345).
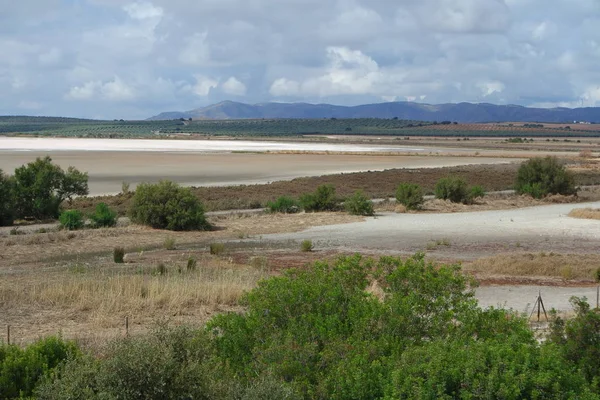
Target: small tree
(166,205)
(540,177)
(103,216)
(7,201)
(410,195)
(71,220)
(452,188)
(40,188)
(359,204)
(323,199)
(283,204)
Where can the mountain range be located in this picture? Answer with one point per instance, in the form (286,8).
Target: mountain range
(459,112)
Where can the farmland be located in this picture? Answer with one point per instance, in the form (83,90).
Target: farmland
(66,127)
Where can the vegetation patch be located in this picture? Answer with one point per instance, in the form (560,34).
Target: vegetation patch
(585,213)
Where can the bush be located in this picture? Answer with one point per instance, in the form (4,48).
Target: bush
(191,264)
(476,192)
(119,255)
(410,195)
(540,177)
(323,199)
(283,204)
(359,204)
(216,249)
(71,220)
(169,243)
(7,200)
(40,187)
(452,188)
(167,206)
(21,369)
(307,246)
(103,216)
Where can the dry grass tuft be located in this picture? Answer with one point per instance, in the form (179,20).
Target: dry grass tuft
(585,213)
(563,266)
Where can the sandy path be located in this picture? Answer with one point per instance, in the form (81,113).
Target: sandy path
(470,235)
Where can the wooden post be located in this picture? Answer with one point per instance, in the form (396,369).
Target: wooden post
(126,326)
(8,334)
(539,303)
(598,297)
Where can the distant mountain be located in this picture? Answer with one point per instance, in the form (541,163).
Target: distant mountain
(461,112)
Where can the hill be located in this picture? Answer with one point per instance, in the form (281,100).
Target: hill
(461,112)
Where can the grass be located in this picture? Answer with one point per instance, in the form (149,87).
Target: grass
(563,266)
(585,213)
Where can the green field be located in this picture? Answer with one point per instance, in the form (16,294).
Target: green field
(68,127)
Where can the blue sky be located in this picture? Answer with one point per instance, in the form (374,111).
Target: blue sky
(123,59)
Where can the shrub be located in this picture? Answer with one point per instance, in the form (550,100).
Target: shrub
(452,188)
(169,243)
(359,204)
(191,264)
(40,187)
(103,216)
(283,204)
(21,369)
(307,246)
(167,206)
(71,220)
(216,249)
(119,255)
(410,195)
(476,191)
(323,199)
(7,200)
(540,177)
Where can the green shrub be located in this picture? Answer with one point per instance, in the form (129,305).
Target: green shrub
(283,204)
(167,206)
(103,216)
(323,199)
(216,249)
(359,204)
(7,200)
(307,246)
(476,192)
(21,369)
(410,195)
(119,255)
(540,177)
(452,188)
(169,243)
(191,264)
(71,220)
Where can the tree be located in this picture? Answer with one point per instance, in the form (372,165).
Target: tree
(7,203)
(410,195)
(452,188)
(540,177)
(323,199)
(41,186)
(165,205)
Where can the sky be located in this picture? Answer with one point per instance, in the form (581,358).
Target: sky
(122,59)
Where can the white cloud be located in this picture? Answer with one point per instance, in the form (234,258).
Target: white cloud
(204,85)
(283,87)
(197,51)
(84,92)
(489,88)
(143,10)
(234,87)
(115,90)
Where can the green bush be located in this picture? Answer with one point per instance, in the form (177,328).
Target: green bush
(169,243)
(359,204)
(71,220)
(476,192)
(452,188)
(283,204)
(410,195)
(216,249)
(191,264)
(21,369)
(103,216)
(119,255)
(167,206)
(7,200)
(40,187)
(323,199)
(307,246)
(540,177)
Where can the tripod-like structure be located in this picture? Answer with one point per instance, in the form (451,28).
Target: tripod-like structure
(539,305)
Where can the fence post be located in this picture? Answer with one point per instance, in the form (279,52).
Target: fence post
(8,335)
(126,326)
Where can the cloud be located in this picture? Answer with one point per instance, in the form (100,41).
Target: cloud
(143,10)
(204,85)
(115,90)
(234,87)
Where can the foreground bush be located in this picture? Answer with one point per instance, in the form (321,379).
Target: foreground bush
(359,204)
(7,200)
(540,177)
(103,216)
(323,199)
(410,195)
(283,204)
(452,188)
(21,369)
(476,192)
(167,206)
(71,220)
